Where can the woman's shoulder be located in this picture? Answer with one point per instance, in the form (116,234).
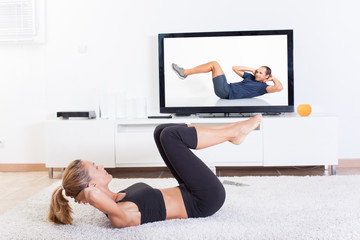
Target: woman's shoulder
(120,196)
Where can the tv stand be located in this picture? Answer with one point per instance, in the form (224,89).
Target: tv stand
(287,140)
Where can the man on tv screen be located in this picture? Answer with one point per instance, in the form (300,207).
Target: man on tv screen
(253,83)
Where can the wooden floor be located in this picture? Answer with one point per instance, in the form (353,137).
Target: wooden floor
(16,187)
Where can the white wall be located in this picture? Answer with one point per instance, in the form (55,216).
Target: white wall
(120,41)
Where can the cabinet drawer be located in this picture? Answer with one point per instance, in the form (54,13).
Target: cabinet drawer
(135,146)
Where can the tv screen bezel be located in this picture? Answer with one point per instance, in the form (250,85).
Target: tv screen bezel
(227,109)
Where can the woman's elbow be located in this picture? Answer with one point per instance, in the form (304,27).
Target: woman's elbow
(118,222)
(117,225)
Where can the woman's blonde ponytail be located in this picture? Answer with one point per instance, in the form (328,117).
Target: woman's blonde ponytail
(60,210)
(75,179)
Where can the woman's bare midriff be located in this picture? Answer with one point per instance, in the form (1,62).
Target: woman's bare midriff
(174,204)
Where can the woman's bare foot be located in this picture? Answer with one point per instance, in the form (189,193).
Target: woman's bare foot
(241,129)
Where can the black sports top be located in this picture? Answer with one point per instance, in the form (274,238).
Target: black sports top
(150,202)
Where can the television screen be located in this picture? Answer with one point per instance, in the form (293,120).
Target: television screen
(226,72)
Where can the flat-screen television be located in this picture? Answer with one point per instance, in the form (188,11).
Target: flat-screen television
(245,51)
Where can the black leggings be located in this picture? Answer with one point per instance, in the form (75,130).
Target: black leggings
(201,190)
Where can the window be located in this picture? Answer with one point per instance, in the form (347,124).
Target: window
(21,21)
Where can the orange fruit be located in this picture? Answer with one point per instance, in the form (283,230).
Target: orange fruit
(304,110)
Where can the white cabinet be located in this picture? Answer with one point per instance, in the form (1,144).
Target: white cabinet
(67,140)
(300,141)
(286,140)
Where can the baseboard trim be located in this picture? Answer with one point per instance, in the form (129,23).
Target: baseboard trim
(24,167)
(349,163)
(36,167)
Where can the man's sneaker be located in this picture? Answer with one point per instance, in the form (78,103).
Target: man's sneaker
(178,70)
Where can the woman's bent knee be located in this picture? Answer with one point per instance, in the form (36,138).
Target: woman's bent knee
(158,130)
(167,134)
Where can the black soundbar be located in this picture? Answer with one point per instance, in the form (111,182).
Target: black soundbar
(67,115)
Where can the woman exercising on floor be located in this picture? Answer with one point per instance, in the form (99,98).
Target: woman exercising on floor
(199,194)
